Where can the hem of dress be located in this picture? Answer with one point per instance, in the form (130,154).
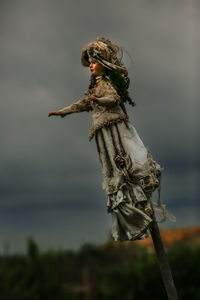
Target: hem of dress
(133,236)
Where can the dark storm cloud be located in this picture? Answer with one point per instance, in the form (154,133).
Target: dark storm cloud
(49,162)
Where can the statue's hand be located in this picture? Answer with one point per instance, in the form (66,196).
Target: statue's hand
(56,113)
(93,98)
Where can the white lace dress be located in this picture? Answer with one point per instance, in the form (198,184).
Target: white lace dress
(128,170)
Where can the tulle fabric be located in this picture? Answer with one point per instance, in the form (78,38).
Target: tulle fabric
(129,221)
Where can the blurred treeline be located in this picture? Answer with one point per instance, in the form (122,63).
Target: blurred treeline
(119,271)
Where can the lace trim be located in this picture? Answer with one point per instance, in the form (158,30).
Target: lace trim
(106,123)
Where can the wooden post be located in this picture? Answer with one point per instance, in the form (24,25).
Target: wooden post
(163,261)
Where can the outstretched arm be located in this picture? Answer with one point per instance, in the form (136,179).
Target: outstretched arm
(107,100)
(82,104)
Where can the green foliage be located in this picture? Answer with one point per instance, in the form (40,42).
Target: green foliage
(32,248)
(184,259)
(112,271)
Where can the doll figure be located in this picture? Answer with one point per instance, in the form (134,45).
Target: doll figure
(130,175)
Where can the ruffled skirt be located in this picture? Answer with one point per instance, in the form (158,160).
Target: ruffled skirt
(129,177)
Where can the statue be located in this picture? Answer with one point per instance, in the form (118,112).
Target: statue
(130,175)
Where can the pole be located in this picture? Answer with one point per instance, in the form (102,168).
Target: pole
(163,261)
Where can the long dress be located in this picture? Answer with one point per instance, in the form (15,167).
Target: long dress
(127,200)
(130,175)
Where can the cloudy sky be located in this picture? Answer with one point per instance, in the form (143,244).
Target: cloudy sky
(50,175)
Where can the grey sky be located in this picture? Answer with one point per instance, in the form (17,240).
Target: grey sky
(50,176)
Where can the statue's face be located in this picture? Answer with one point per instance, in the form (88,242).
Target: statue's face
(95,67)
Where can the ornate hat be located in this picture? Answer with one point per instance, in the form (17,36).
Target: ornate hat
(104,52)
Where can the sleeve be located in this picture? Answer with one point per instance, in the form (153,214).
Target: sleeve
(83,104)
(110,96)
